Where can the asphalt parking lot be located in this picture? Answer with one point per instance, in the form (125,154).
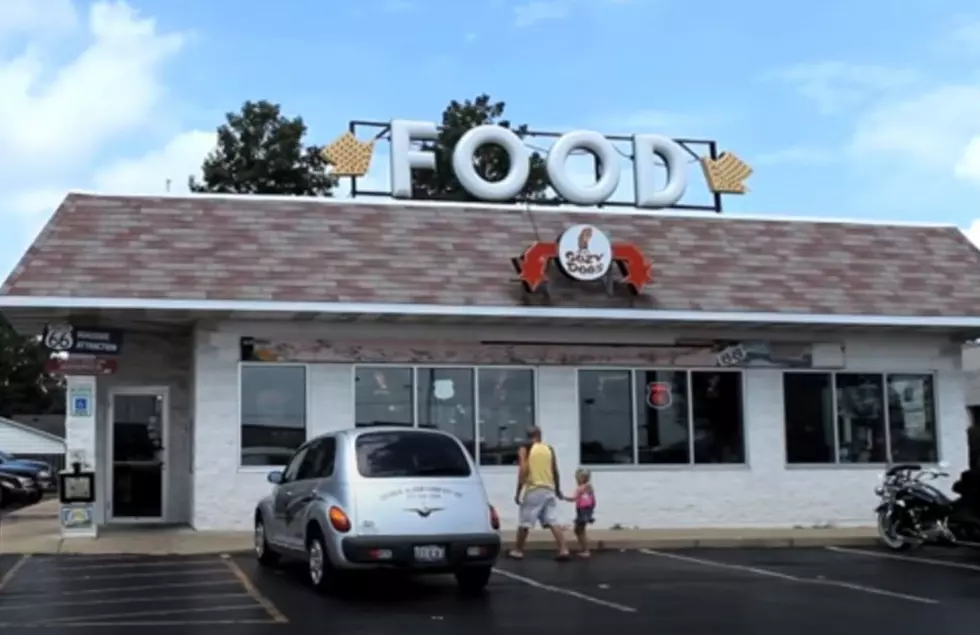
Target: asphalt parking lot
(810,591)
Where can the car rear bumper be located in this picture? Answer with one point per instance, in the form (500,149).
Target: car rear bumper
(461,550)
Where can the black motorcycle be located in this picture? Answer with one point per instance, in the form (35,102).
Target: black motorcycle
(914,512)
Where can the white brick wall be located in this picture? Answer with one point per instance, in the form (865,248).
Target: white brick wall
(763,493)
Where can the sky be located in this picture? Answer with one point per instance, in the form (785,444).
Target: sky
(864,110)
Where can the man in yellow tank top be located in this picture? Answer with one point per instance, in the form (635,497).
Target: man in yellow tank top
(538,492)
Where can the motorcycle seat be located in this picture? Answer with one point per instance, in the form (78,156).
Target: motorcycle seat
(903,467)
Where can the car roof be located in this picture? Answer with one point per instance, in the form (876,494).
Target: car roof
(353,433)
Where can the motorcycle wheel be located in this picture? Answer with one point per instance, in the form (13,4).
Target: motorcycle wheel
(888,533)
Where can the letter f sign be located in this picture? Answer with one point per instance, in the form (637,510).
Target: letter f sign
(404,158)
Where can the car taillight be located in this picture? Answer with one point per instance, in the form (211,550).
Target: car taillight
(339,519)
(494,518)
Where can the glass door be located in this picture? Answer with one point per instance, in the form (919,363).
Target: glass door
(137,454)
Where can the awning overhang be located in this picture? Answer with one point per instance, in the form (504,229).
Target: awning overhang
(29,314)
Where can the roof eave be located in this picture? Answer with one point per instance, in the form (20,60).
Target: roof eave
(735,318)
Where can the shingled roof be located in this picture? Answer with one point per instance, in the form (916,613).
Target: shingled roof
(201,247)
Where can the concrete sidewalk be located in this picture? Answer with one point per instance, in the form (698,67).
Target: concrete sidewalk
(42,535)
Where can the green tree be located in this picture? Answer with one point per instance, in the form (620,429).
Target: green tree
(491,161)
(25,385)
(260,151)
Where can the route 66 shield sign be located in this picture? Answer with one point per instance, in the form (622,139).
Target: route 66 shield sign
(59,338)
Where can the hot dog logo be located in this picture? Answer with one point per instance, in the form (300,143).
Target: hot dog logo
(584,253)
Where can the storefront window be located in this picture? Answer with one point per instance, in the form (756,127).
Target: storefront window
(716,405)
(445,399)
(808,408)
(663,430)
(493,405)
(506,398)
(383,396)
(861,418)
(605,417)
(273,413)
(911,419)
(864,428)
(662,426)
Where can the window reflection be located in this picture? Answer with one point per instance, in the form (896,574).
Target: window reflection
(383,396)
(605,416)
(912,419)
(716,400)
(662,424)
(861,418)
(273,413)
(445,398)
(808,406)
(506,398)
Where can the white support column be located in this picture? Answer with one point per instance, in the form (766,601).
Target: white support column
(78,520)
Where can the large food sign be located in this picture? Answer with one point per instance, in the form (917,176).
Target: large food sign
(651,155)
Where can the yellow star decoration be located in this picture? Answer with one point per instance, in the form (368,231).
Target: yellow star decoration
(348,156)
(726,174)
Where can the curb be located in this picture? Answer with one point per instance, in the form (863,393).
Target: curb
(710,543)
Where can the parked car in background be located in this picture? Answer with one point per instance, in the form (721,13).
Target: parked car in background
(380,498)
(18,490)
(38,470)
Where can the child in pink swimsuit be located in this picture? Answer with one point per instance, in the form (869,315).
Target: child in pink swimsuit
(584,499)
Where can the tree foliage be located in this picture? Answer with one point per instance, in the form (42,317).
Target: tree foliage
(491,161)
(25,385)
(261,151)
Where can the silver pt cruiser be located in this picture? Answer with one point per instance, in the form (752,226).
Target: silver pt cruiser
(380,498)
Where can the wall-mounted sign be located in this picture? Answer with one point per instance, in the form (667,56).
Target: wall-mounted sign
(65,338)
(80,400)
(738,354)
(659,395)
(584,253)
(449,352)
(659,164)
(81,365)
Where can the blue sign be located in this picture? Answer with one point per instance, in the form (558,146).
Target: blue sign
(80,399)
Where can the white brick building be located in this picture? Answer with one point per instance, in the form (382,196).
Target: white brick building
(251,324)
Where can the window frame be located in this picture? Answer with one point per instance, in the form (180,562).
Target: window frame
(884,374)
(307,398)
(634,409)
(475,370)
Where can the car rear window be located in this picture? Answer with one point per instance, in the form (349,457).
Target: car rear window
(408,454)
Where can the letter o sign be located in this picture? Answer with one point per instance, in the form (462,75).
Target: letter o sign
(604,152)
(463,163)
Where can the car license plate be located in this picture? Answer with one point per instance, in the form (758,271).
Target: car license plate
(430,553)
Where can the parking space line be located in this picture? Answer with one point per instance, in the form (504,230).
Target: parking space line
(894,556)
(152,587)
(213,569)
(9,575)
(569,592)
(150,623)
(129,600)
(134,564)
(60,621)
(792,578)
(253,592)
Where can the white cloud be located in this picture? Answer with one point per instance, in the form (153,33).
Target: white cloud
(159,171)
(839,87)
(933,130)
(74,84)
(540,11)
(109,89)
